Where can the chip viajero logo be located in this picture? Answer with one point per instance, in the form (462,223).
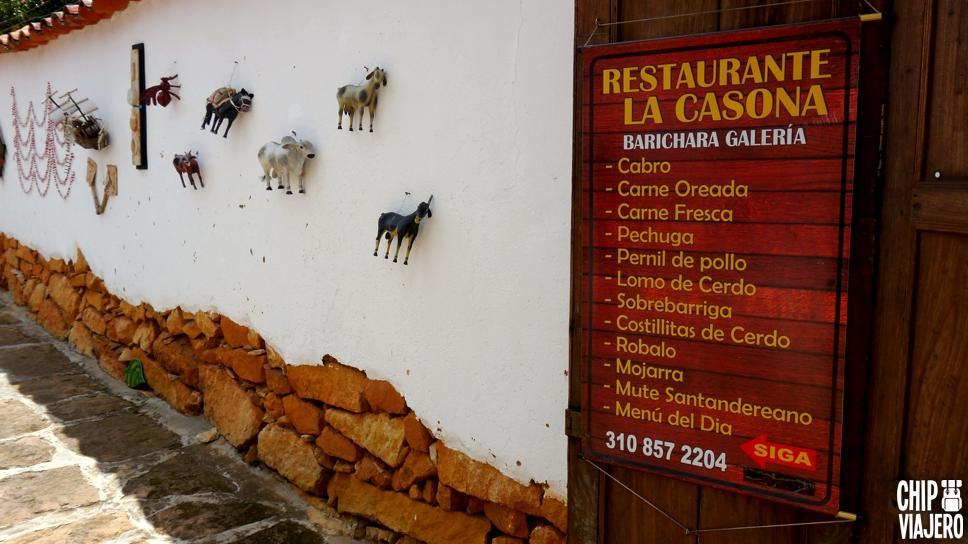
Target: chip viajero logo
(929,510)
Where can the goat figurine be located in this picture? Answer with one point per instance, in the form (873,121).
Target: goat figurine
(357,97)
(401,226)
(187,163)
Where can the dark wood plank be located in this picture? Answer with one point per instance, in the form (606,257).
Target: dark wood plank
(583,480)
(939,383)
(733,18)
(883,435)
(678,26)
(947,123)
(628,519)
(941,207)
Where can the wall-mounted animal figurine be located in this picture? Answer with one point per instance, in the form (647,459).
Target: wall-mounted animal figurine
(394,225)
(353,98)
(160,94)
(226,103)
(285,159)
(187,163)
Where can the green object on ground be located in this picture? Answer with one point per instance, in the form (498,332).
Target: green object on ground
(134,375)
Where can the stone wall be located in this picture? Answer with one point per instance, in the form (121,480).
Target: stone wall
(328,429)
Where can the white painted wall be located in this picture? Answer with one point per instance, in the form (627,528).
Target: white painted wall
(477,111)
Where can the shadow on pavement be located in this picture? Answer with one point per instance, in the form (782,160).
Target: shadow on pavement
(195,493)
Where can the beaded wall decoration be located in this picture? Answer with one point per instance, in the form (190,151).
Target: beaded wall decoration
(36,169)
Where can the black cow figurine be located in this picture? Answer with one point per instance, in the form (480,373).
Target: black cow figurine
(223,105)
(401,226)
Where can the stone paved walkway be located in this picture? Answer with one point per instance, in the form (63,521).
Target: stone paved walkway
(83,459)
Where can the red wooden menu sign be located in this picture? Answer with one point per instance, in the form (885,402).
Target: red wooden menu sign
(717,183)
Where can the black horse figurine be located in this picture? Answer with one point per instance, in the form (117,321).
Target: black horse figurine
(226,108)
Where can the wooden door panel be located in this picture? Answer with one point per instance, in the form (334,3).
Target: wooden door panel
(938,397)
(947,93)
(793,13)
(631,10)
(677,498)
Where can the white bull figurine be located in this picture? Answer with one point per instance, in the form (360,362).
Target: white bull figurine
(285,159)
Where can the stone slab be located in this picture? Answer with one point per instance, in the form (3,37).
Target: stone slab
(18,419)
(26,495)
(106,527)
(287,532)
(11,336)
(118,437)
(189,472)
(85,407)
(24,452)
(51,389)
(26,362)
(193,520)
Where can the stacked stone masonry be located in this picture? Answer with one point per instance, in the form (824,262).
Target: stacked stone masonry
(328,429)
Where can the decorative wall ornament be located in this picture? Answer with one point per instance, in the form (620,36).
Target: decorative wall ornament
(160,94)
(187,163)
(226,103)
(75,119)
(285,159)
(28,159)
(110,184)
(139,113)
(357,97)
(393,225)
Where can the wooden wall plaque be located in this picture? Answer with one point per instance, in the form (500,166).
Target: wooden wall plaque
(139,117)
(717,176)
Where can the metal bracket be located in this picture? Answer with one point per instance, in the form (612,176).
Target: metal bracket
(573,423)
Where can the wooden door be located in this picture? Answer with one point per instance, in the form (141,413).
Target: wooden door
(918,380)
(907,389)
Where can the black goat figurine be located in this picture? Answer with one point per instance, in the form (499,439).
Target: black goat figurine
(401,226)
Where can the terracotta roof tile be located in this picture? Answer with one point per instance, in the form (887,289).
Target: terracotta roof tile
(58,23)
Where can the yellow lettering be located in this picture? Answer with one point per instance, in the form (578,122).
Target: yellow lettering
(685,77)
(797,70)
(818,59)
(729,71)
(733,102)
(814,101)
(627,79)
(765,102)
(681,108)
(610,81)
(752,71)
(649,82)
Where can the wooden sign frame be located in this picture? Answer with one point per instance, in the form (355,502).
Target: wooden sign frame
(820,237)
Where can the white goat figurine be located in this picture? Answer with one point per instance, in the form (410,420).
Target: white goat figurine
(357,97)
(282,160)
